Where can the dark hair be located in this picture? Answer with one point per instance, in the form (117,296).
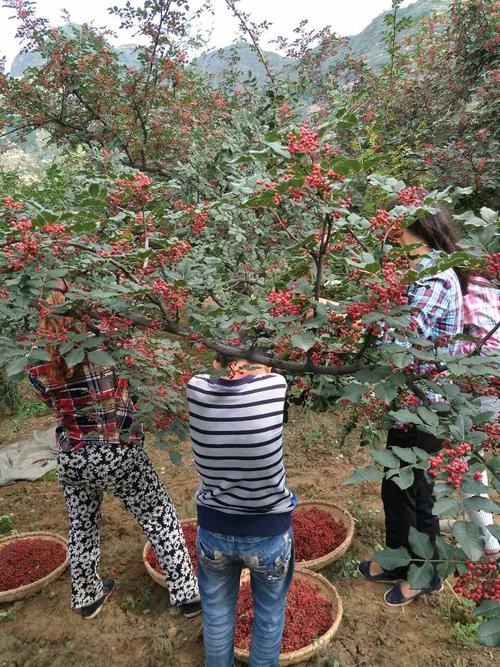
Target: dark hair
(439,233)
(224,359)
(248,340)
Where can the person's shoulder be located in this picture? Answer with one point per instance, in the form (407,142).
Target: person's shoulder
(37,370)
(274,379)
(197,380)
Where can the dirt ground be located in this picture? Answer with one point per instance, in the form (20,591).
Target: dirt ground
(137,627)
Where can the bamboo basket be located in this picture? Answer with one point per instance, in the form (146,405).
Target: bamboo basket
(158,578)
(329,591)
(338,514)
(40,584)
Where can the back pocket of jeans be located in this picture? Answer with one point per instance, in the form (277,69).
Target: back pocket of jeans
(272,563)
(210,557)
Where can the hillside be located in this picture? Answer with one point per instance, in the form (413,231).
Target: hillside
(368,43)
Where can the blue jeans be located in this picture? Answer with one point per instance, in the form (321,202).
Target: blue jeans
(220,561)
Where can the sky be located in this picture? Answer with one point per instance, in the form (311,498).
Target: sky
(345,17)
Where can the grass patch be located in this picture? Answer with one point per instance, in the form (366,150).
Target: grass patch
(139,602)
(7,615)
(6,524)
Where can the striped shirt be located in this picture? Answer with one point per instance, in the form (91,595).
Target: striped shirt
(237,437)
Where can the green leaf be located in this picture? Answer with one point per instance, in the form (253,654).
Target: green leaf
(367,474)
(75,357)
(488,215)
(277,148)
(473,486)
(446,507)
(389,559)
(353,392)
(470,538)
(175,456)
(420,544)
(101,357)
(405,416)
(444,570)
(38,355)
(405,454)
(487,608)
(428,417)
(304,341)
(480,503)
(405,478)
(420,576)
(386,392)
(494,530)
(385,458)
(16,366)
(488,632)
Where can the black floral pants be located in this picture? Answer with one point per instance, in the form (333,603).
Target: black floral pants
(125,472)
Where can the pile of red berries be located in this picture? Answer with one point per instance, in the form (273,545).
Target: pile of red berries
(480,582)
(24,561)
(308,616)
(316,533)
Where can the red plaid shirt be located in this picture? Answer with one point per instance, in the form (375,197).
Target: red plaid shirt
(92,406)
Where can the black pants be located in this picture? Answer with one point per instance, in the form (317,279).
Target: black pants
(411,506)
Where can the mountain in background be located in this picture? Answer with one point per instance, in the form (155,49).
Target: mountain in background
(369,43)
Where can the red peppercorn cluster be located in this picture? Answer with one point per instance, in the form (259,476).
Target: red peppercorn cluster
(413,196)
(27,560)
(308,616)
(493,433)
(10,203)
(493,264)
(190,531)
(316,533)
(173,297)
(306,142)
(131,193)
(480,582)
(449,463)
(283,304)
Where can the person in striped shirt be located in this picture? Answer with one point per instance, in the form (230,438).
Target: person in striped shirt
(244,506)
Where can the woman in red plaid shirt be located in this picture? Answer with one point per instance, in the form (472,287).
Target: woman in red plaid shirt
(100,448)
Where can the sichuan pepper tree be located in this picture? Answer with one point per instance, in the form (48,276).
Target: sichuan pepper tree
(220,224)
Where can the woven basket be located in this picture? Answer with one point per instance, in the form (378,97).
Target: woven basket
(159,578)
(40,584)
(328,591)
(338,514)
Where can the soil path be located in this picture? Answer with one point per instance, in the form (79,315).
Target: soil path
(138,628)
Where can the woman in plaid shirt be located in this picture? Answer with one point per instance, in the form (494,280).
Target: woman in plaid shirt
(100,448)
(437,313)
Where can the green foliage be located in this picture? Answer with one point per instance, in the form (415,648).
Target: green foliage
(6,524)
(465,633)
(141,601)
(7,615)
